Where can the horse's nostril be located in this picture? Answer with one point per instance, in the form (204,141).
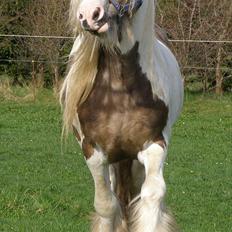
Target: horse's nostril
(96,14)
(80,16)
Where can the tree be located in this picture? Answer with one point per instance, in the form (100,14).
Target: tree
(48,18)
(11,22)
(199,20)
(225,29)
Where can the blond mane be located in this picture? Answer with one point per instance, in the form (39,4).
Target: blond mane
(80,78)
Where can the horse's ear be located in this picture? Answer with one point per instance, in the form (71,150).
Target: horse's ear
(136,4)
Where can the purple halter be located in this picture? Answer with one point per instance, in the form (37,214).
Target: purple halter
(122,9)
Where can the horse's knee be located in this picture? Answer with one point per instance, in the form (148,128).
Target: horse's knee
(108,207)
(154,188)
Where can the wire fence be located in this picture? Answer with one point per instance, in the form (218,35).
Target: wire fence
(72,38)
(65,62)
(194,61)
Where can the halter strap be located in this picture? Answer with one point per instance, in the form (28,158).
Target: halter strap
(122,9)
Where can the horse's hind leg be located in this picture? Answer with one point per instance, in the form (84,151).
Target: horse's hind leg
(149,215)
(108,212)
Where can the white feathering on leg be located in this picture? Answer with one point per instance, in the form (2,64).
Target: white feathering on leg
(149,215)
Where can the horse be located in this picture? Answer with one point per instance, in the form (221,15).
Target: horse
(121,96)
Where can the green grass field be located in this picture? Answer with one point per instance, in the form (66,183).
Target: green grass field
(42,189)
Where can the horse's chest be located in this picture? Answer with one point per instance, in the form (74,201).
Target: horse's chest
(120,114)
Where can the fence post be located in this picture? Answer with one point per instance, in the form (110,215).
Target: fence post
(33,80)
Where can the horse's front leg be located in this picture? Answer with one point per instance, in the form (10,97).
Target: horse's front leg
(149,214)
(108,212)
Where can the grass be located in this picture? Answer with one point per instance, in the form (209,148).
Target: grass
(42,189)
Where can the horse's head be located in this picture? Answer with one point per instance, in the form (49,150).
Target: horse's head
(102,17)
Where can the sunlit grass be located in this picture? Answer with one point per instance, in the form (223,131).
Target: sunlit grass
(42,189)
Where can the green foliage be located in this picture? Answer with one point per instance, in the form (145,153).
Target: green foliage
(227,82)
(22,17)
(11,22)
(42,189)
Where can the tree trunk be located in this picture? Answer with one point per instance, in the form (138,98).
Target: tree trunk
(40,76)
(219,76)
(56,77)
(33,80)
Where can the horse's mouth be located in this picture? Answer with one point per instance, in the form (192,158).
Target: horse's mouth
(99,30)
(99,27)
(103,28)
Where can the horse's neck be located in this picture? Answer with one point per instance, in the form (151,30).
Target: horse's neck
(141,30)
(117,70)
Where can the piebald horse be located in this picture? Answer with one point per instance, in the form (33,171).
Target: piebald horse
(121,96)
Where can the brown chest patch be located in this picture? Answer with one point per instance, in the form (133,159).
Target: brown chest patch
(121,114)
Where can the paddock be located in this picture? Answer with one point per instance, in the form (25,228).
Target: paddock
(43,189)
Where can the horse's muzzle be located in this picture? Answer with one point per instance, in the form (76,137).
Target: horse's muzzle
(93,19)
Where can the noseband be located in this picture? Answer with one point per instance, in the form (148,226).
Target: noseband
(122,9)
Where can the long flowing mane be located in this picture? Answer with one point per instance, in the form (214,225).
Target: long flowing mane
(80,78)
